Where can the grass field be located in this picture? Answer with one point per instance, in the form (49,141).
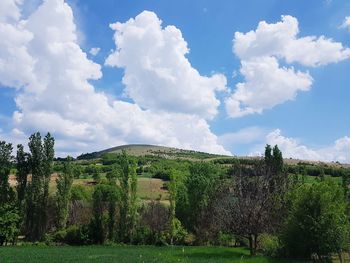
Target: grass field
(129,254)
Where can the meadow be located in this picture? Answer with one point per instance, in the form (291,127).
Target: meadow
(129,254)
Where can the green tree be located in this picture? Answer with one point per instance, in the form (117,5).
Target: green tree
(128,205)
(9,221)
(22,167)
(194,194)
(317,223)
(63,195)
(5,168)
(41,164)
(103,225)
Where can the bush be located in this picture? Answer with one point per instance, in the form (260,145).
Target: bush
(269,245)
(225,239)
(80,193)
(317,224)
(77,235)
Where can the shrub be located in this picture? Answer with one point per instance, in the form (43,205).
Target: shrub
(77,235)
(317,224)
(269,245)
(80,193)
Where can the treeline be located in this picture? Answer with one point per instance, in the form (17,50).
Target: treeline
(255,204)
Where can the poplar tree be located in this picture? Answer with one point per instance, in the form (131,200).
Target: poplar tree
(5,168)
(64,185)
(41,164)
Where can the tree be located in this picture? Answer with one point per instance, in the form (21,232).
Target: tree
(194,192)
(5,168)
(102,225)
(22,166)
(128,206)
(9,221)
(64,184)
(41,164)
(9,218)
(252,202)
(317,223)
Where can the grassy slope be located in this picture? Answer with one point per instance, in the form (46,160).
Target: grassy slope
(129,254)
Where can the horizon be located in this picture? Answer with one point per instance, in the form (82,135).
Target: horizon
(221,77)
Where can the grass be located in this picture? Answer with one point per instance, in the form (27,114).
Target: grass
(129,254)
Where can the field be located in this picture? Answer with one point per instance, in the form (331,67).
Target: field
(129,254)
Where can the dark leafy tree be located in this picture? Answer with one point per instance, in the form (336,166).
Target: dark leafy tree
(41,164)
(64,184)
(5,168)
(103,225)
(23,169)
(9,221)
(253,202)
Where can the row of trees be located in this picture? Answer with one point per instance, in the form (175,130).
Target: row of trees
(26,206)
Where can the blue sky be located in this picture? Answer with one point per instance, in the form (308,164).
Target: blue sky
(229,91)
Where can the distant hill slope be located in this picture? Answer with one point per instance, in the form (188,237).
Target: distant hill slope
(170,152)
(145,149)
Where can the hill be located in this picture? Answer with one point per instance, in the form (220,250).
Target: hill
(154,150)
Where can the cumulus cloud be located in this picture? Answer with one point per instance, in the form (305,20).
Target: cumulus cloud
(346,23)
(94,51)
(267,84)
(16,64)
(65,103)
(290,147)
(158,75)
(281,40)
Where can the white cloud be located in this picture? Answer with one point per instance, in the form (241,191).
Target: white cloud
(281,40)
(16,64)
(66,104)
(290,147)
(9,10)
(267,84)
(158,75)
(346,23)
(94,51)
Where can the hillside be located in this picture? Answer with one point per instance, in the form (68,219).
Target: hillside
(154,150)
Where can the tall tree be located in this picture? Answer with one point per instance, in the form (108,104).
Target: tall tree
(5,168)
(128,186)
(48,156)
(23,169)
(64,184)
(41,163)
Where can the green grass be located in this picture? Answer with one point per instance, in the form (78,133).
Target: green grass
(129,254)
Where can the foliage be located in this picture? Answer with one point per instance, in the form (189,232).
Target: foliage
(5,168)
(22,165)
(63,196)
(270,245)
(41,165)
(317,222)
(101,224)
(195,191)
(9,220)
(252,202)
(80,193)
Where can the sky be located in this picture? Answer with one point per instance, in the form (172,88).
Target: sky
(224,77)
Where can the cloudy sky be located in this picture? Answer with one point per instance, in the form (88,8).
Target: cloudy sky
(217,76)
